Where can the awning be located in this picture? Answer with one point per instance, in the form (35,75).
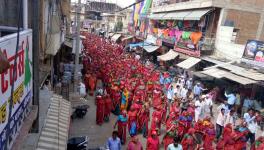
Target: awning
(136,45)
(188,63)
(150,48)
(157,16)
(110,34)
(168,56)
(179,15)
(127,38)
(115,37)
(54,134)
(196,14)
(218,73)
(214,72)
(252,74)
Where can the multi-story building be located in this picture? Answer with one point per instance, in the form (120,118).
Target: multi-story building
(231,22)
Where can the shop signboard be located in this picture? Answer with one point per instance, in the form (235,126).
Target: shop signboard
(22,80)
(254,52)
(187,48)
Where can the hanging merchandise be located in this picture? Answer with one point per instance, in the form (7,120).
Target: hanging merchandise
(166,32)
(172,32)
(178,35)
(180,24)
(186,23)
(169,24)
(195,37)
(160,33)
(155,30)
(186,35)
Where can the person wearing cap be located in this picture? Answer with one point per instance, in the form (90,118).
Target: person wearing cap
(153,141)
(208,105)
(134,144)
(198,109)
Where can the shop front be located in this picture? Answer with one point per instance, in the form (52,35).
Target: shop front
(187,31)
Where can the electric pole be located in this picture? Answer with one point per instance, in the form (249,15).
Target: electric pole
(36,48)
(77,46)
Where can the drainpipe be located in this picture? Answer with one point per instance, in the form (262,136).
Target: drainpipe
(25,14)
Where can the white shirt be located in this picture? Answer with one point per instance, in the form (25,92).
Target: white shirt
(252,126)
(172,147)
(229,119)
(198,107)
(207,105)
(220,120)
(82,89)
(183,93)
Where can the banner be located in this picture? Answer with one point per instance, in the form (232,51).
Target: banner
(254,51)
(22,79)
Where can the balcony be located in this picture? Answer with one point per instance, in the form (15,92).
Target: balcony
(174,5)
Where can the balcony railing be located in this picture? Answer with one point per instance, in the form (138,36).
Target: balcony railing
(167,2)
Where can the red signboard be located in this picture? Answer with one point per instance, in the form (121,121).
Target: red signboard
(187,48)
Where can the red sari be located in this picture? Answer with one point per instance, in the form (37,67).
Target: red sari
(156,98)
(152,144)
(132,117)
(122,127)
(167,140)
(188,141)
(108,106)
(100,103)
(142,122)
(92,84)
(156,120)
(208,139)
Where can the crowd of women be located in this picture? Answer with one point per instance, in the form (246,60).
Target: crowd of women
(139,94)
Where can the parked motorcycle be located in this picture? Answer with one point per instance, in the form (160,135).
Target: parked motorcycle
(80,111)
(78,143)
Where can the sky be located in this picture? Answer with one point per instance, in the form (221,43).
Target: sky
(122,3)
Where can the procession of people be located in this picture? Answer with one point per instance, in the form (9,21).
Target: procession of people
(146,100)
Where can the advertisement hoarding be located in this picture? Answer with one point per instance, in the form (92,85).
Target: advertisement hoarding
(22,80)
(254,50)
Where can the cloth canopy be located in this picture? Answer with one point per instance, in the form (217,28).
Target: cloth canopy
(196,14)
(115,37)
(188,63)
(54,134)
(150,48)
(168,56)
(136,45)
(181,15)
(158,16)
(127,38)
(219,73)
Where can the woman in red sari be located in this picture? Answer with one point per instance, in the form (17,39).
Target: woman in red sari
(188,141)
(156,100)
(153,141)
(132,117)
(100,104)
(142,121)
(122,126)
(156,119)
(209,136)
(108,107)
(92,84)
(169,136)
